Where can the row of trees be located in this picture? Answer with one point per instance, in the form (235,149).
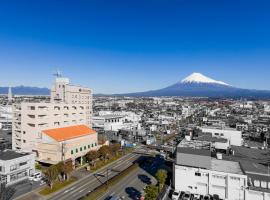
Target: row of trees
(62,170)
(104,153)
(152,191)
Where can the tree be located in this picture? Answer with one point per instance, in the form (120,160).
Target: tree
(104,151)
(64,169)
(115,148)
(52,174)
(151,192)
(67,168)
(91,156)
(161,177)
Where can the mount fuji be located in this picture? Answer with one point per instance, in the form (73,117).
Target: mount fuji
(198,85)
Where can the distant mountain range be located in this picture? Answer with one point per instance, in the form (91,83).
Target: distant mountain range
(198,85)
(195,85)
(25,90)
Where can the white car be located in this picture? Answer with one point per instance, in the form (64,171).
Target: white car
(196,197)
(35,177)
(175,195)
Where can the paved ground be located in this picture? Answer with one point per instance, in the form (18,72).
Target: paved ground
(91,181)
(132,186)
(25,187)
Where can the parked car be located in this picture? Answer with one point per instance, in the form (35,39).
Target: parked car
(35,177)
(186,196)
(175,195)
(216,197)
(196,197)
(207,197)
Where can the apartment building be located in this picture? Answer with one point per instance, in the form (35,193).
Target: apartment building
(15,167)
(69,105)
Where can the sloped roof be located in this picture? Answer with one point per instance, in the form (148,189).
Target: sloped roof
(69,132)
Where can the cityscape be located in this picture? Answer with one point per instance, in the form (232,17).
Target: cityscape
(141,116)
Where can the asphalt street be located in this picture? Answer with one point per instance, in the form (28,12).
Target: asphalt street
(132,186)
(93,180)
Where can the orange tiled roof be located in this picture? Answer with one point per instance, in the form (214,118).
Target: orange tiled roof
(70,132)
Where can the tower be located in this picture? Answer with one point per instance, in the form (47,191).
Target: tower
(9,94)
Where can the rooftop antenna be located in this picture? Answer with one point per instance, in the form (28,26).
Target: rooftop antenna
(58,74)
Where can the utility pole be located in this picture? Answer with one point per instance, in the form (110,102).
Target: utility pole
(107,181)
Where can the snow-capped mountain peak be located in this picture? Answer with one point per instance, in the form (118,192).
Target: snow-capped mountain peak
(200,78)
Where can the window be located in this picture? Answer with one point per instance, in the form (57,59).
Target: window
(263,184)
(92,145)
(76,150)
(84,147)
(13,167)
(24,141)
(88,146)
(197,174)
(216,134)
(71,152)
(80,148)
(95,144)
(23,163)
(222,134)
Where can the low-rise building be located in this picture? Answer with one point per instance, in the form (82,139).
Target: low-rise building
(15,166)
(199,173)
(67,143)
(233,136)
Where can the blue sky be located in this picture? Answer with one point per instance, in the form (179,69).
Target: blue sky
(118,46)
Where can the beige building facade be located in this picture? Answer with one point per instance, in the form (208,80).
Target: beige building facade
(70,105)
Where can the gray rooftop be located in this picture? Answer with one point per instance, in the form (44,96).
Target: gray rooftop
(226,166)
(9,155)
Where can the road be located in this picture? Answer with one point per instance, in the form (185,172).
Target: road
(132,186)
(93,180)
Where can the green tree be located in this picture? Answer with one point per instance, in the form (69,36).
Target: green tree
(52,174)
(161,177)
(151,192)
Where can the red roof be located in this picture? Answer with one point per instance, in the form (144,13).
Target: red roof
(70,132)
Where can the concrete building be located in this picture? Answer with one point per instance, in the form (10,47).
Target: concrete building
(197,172)
(69,106)
(68,143)
(15,167)
(233,136)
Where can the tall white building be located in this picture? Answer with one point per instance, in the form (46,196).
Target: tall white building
(9,95)
(70,105)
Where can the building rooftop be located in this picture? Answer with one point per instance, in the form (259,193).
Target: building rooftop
(112,116)
(70,132)
(226,166)
(9,155)
(194,144)
(209,138)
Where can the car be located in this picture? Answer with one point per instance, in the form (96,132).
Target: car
(207,197)
(175,195)
(35,177)
(216,197)
(32,177)
(186,196)
(196,197)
